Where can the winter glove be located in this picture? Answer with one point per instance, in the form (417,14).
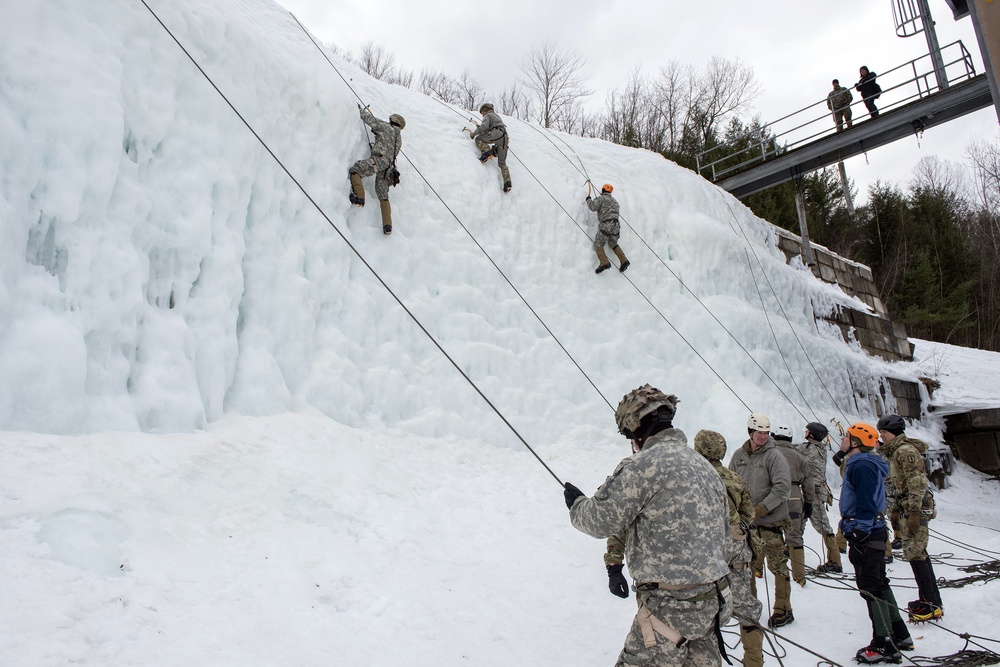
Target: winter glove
(571,493)
(588,197)
(617,581)
(838,457)
(807,511)
(913,522)
(759,510)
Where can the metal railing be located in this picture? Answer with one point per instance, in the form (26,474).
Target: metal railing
(913,80)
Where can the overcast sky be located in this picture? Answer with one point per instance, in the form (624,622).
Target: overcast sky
(795,48)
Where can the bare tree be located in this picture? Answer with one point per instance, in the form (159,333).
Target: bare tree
(556,81)
(985,156)
(381,64)
(515,102)
(672,96)
(439,85)
(470,92)
(724,88)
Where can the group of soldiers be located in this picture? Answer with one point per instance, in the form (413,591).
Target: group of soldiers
(492,140)
(696,535)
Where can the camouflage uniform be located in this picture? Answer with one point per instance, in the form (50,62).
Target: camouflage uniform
(802,493)
(913,496)
(493,131)
(839,102)
(388,143)
(672,508)
(815,453)
(608,229)
(746,606)
(766,475)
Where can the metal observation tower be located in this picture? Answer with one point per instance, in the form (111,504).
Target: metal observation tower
(930,90)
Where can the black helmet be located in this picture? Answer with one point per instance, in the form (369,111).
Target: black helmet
(485,107)
(817,431)
(892,423)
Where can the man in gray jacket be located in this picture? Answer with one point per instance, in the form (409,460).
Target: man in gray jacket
(801,500)
(671,506)
(608,228)
(765,471)
(382,163)
(492,131)
(815,451)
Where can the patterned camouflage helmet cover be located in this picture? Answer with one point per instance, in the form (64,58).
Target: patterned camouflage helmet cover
(397,120)
(710,444)
(486,107)
(638,403)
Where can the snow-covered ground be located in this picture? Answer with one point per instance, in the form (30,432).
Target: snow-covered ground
(224,442)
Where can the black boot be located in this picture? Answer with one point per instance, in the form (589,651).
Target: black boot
(356,200)
(485,157)
(901,636)
(603,267)
(506,186)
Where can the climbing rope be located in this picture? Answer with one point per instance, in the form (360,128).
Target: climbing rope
(353,249)
(742,233)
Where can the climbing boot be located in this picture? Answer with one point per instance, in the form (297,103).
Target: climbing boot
(782,602)
(830,568)
(897,543)
(798,557)
(901,636)
(485,157)
(832,552)
(922,610)
(386,216)
(357,195)
(603,262)
(506,186)
(622,259)
(753,650)
(879,651)
(780,618)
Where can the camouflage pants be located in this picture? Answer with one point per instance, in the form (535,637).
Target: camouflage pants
(693,620)
(379,166)
(746,606)
(914,544)
(608,232)
(775,551)
(499,139)
(820,520)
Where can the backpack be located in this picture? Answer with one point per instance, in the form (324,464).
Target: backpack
(878,91)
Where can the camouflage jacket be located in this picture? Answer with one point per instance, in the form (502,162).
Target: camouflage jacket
(491,121)
(815,454)
(388,140)
(671,506)
(765,473)
(906,472)
(839,98)
(803,488)
(606,207)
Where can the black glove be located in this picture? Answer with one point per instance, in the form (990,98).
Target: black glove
(571,493)
(617,581)
(807,511)
(838,457)
(588,197)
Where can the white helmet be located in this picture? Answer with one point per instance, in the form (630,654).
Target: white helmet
(758,421)
(783,433)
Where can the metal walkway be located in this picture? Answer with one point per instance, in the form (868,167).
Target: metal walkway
(907,107)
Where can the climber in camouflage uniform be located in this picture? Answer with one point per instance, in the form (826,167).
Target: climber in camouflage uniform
(801,500)
(913,508)
(814,449)
(492,131)
(382,163)
(838,101)
(765,471)
(608,228)
(746,606)
(671,506)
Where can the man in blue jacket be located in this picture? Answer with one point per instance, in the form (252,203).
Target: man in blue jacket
(862,503)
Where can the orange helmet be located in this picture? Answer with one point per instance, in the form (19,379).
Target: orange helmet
(607,188)
(863,434)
